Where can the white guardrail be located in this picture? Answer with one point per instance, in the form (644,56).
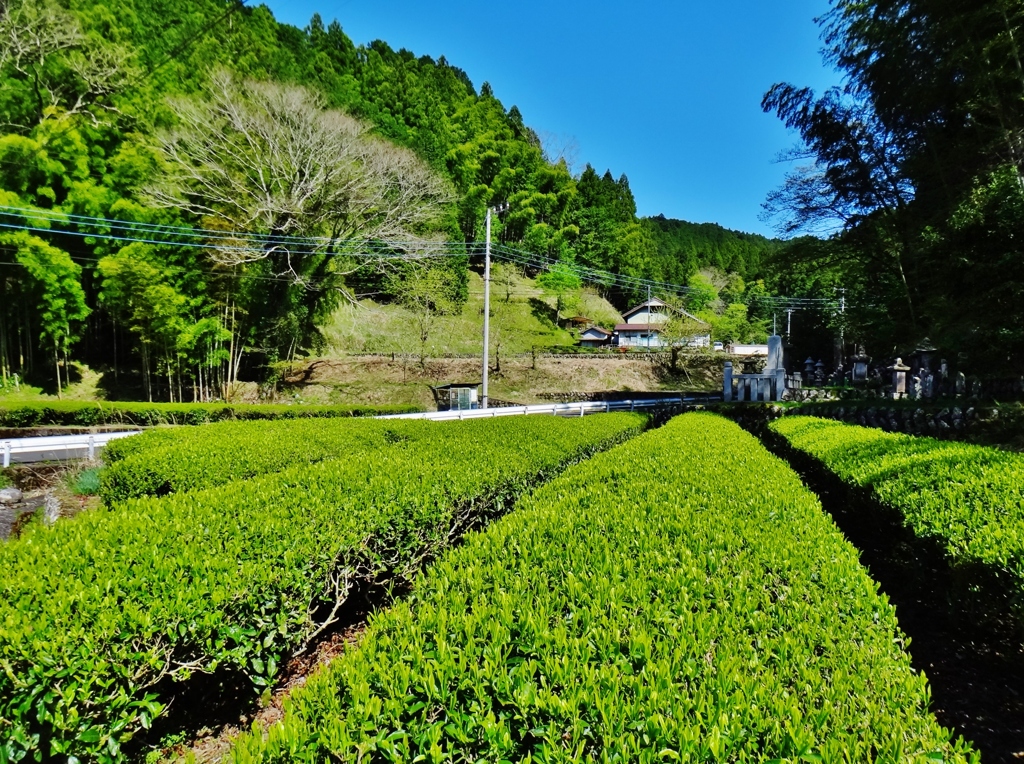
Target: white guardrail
(62,447)
(57,447)
(556,409)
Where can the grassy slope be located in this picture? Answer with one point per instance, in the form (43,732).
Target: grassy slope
(520,322)
(525,320)
(352,372)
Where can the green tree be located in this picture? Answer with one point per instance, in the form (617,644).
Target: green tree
(564,282)
(137,294)
(50,280)
(920,140)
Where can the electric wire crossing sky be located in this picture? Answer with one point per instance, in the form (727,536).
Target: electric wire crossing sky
(241,243)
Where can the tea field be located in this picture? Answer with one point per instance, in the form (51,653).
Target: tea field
(103,615)
(966,499)
(707,611)
(581,590)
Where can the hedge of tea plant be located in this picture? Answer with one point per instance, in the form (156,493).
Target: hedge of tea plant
(968,498)
(165,461)
(88,414)
(102,612)
(679,598)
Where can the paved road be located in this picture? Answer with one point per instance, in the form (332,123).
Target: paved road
(557,409)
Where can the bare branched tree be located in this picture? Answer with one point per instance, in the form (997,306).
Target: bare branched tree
(561,147)
(36,33)
(426,288)
(270,159)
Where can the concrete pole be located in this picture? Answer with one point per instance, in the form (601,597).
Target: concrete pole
(487,306)
(648,319)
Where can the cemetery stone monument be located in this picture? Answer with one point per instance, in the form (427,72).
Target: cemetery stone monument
(899,379)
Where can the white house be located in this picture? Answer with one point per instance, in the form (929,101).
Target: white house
(595,337)
(644,323)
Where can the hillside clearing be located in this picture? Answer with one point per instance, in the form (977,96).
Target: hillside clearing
(521,379)
(522,317)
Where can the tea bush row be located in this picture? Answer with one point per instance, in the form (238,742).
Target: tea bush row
(679,598)
(88,414)
(169,460)
(102,615)
(967,498)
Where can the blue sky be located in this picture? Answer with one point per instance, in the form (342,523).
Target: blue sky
(666,92)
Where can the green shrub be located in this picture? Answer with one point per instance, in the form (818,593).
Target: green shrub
(87,482)
(88,414)
(969,499)
(165,461)
(100,611)
(679,598)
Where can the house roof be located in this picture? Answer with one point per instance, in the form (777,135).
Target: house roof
(654,302)
(597,329)
(639,327)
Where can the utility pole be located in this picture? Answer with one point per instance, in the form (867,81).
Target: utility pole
(648,335)
(789,322)
(841,350)
(487,298)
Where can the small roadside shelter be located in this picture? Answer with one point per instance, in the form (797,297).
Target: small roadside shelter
(456,396)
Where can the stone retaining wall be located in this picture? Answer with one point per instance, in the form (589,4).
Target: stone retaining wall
(947,422)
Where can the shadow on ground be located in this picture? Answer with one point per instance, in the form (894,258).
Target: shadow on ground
(973,655)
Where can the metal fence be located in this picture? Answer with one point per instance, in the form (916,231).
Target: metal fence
(559,409)
(57,447)
(63,447)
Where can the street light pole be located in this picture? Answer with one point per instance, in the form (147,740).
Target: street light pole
(487,299)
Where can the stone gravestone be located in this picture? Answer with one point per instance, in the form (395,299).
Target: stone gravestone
(915,388)
(899,379)
(860,365)
(927,384)
(774,353)
(961,385)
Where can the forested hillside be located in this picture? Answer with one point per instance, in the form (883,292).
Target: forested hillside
(181,184)
(692,246)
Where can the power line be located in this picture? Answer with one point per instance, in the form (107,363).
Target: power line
(243,243)
(156,233)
